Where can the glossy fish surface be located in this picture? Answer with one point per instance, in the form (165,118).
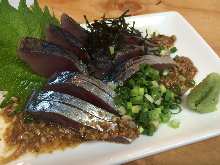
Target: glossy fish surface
(70,25)
(129,68)
(128,53)
(66,40)
(91,122)
(84,87)
(46,58)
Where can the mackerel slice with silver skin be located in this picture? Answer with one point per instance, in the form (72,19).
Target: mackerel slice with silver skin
(66,40)
(86,88)
(70,25)
(91,122)
(129,68)
(46,58)
(127,53)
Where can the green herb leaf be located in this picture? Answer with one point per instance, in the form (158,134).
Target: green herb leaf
(15,76)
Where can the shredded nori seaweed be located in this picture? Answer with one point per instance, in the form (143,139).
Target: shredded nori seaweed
(108,32)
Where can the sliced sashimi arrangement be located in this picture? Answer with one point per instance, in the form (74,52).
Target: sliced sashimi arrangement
(105,82)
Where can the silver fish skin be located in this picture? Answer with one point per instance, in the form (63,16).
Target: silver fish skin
(130,67)
(50,101)
(46,58)
(89,121)
(84,87)
(62,77)
(57,35)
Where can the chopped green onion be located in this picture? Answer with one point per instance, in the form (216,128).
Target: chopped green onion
(174,124)
(165,72)
(135,91)
(169,95)
(161,48)
(155,93)
(141,91)
(143,118)
(145,107)
(137,100)
(173,50)
(112,50)
(165,117)
(178,100)
(149,98)
(154,114)
(158,102)
(131,83)
(164,51)
(162,88)
(129,105)
(155,123)
(145,90)
(136,108)
(192,82)
(122,110)
(154,83)
(151,128)
(141,129)
(120,83)
(147,101)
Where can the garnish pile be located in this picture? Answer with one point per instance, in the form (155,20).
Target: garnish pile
(110,34)
(146,100)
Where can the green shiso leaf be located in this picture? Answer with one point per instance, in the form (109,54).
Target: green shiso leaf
(15,76)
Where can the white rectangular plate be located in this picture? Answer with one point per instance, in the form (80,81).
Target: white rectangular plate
(194,127)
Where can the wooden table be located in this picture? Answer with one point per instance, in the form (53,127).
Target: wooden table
(204,15)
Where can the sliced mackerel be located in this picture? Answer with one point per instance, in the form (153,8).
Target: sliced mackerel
(91,122)
(86,88)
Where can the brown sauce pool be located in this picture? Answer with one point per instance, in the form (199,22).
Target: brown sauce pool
(182,76)
(34,137)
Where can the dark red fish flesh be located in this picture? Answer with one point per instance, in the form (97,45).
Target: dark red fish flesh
(66,40)
(130,67)
(70,25)
(46,58)
(91,122)
(86,88)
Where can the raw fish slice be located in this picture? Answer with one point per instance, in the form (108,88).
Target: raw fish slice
(70,25)
(89,89)
(66,40)
(128,53)
(132,66)
(91,122)
(46,58)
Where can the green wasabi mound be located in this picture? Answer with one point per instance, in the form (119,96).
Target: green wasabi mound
(205,96)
